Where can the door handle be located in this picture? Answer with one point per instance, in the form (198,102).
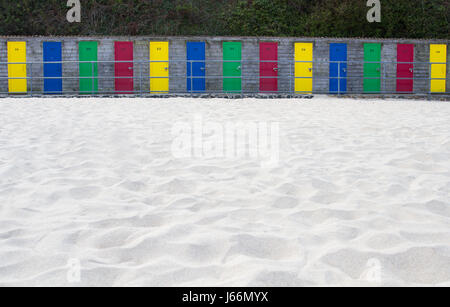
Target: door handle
(130,68)
(411,70)
(239,68)
(166,68)
(275,69)
(202,68)
(310,69)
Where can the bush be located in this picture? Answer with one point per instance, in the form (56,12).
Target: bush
(331,18)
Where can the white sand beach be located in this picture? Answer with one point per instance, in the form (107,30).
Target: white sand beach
(360,194)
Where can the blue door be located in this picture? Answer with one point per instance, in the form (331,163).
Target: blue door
(338,68)
(196,67)
(52,53)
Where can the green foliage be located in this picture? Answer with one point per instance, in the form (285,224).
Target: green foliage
(331,18)
(339,18)
(260,17)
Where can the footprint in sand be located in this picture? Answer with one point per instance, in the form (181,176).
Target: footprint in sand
(438,207)
(418,265)
(285,203)
(327,198)
(264,247)
(383,241)
(84,192)
(277,279)
(177,186)
(134,186)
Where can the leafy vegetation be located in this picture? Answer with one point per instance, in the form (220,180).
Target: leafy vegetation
(331,18)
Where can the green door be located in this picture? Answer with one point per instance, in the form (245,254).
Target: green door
(372,53)
(232,56)
(88,71)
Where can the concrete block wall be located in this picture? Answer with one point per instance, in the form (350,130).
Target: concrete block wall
(214,66)
(3,67)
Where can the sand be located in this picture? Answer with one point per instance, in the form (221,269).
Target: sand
(93,193)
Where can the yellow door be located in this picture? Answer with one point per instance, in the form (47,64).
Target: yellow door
(159,51)
(438,54)
(303,71)
(17,53)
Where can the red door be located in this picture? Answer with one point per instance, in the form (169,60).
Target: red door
(405,67)
(268,67)
(124,71)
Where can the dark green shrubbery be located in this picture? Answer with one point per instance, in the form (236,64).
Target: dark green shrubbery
(339,18)
(332,18)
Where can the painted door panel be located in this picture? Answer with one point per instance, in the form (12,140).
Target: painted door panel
(303,69)
(438,86)
(438,83)
(123,71)
(338,68)
(196,66)
(438,54)
(52,53)
(268,54)
(159,70)
(88,70)
(438,71)
(372,68)
(232,66)
(405,68)
(17,53)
